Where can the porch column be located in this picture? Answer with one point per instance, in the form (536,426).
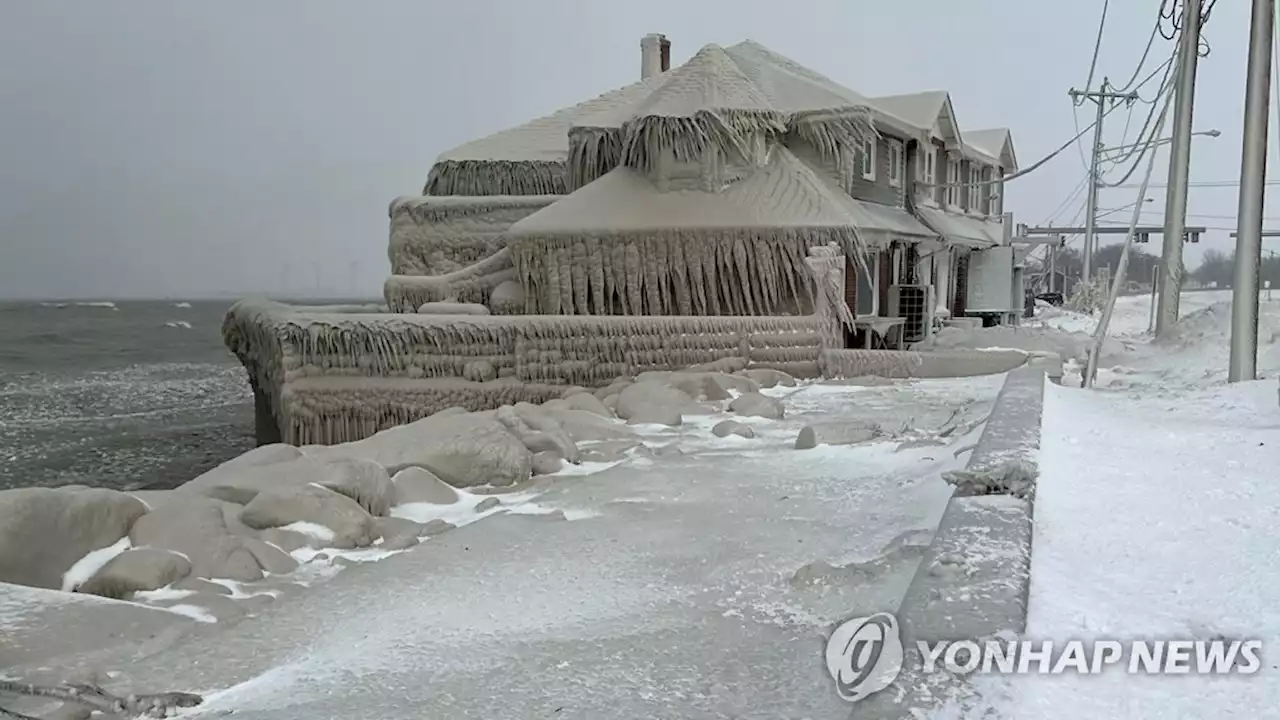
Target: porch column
(942,278)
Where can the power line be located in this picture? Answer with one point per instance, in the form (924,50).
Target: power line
(1072,196)
(1140,148)
(1097,48)
(1201,184)
(1151,39)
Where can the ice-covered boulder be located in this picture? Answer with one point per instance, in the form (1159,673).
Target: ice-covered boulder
(463,450)
(753,404)
(725,428)
(196,527)
(768,377)
(136,570)
(419,485)
(836,433)
(364,481)
(652,397)
(43,531)
(352,526)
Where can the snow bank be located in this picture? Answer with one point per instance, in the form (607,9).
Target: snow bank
(1155,520)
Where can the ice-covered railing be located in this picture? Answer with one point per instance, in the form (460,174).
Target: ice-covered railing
(331,376)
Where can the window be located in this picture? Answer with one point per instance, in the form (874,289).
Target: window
(975,188)
(951,194)
(895,163)
(869,159)
(868,293)
(927,153)
(993,193)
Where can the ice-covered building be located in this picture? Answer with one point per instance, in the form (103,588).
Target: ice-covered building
(739,210)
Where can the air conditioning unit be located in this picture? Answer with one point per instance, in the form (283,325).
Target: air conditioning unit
(914,303)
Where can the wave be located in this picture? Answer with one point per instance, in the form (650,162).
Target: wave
(105,304)
(178,324)
(182,305)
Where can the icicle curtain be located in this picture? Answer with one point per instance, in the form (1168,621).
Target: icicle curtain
(685,271)
(496,177)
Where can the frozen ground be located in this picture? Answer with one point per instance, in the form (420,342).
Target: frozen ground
(1154,518)
(697,578)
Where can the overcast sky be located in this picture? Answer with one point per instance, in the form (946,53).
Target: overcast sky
(182,149)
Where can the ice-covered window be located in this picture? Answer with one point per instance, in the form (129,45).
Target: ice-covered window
(895,163)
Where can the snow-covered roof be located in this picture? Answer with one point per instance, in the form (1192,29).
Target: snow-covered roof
(785,192)
(794,87)
(961,230)
(996,143)
(927,110)
(539,146)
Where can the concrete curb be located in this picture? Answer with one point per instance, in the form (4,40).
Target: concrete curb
(973,579)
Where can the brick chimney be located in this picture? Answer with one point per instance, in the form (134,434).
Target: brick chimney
(654,55)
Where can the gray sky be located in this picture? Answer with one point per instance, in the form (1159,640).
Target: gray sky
(161,148)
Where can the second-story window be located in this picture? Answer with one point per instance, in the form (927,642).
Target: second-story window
(993,192)
(895,163)
(927,155)
(869,159)
(975,187)
(952,192)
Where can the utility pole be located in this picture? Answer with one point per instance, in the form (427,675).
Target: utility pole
(1175,208)
(1104,99)
(1253,171)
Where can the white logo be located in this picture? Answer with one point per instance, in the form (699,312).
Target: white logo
(864,655)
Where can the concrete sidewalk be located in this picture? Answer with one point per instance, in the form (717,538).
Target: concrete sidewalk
(698,583)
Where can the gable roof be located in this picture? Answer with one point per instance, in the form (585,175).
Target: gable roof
(926,110)
(995,142)
(486,166)
(792,86)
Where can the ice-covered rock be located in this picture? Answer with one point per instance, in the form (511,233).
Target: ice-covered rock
(196,527)
(351,524)
(725,428)
(463,450)
(753,404)
(364,481)
(44,532)
(134,570)
(419,485)
(836,433)
(654,398)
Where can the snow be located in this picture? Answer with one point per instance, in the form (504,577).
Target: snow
(1186,551)
(1154,518)
(315,531)
(195,612)
(85,567)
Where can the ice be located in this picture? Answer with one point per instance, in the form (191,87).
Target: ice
(317,532)
(85,567)
(195,612)
(461,512)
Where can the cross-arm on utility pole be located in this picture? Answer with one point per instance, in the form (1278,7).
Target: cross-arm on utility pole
(1175,213)
(1104,100)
